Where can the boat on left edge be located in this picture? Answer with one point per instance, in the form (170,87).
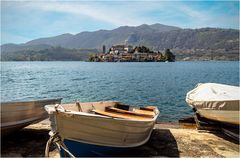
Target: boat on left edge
(17,115)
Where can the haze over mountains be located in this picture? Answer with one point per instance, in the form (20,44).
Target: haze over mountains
(156,37)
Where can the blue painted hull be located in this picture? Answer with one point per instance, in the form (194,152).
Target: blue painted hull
(79,149)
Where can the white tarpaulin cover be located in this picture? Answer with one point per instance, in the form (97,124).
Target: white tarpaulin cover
(214,96)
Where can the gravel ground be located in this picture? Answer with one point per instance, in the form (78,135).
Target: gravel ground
(167,139)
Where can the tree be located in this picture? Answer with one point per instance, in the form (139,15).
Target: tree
(169,56)
(92,57)
(142,49)
(104,49)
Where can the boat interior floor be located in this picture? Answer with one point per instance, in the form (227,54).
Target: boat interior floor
(134,114)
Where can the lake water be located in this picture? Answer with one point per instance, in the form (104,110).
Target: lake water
(162,84)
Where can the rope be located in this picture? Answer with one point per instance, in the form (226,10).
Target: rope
(93,107)
(56,139)
(59,106)
(79,106)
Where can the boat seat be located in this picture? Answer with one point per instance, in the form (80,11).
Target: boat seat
(152,113)
(121,115)
(148,108)
(135,112)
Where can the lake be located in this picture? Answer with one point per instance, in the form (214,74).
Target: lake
(161,84)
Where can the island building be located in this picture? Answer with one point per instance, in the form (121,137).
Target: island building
(127,53)
(120,49)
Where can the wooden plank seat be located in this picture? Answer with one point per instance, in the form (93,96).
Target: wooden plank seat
(148,108)
(120,115)
(135,112)
(152,113)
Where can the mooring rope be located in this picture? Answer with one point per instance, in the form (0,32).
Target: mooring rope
(59,106)
(56,139)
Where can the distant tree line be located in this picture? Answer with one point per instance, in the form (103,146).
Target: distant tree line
(50,54)
(141,49)
(167,56)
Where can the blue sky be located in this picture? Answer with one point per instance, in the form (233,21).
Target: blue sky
(22,21)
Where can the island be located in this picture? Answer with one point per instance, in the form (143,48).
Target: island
(128,53)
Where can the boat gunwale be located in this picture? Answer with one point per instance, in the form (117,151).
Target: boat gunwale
(30,101)
(78,113)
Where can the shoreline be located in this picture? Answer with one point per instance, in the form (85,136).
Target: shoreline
(193,60)
(167,139)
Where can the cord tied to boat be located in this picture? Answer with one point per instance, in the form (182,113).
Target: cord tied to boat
(59,106)
(56,139)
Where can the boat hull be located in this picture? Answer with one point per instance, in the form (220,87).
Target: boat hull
(229,117)
(104,131)
(87,133)
(79,149)
(216,102)
(17,115)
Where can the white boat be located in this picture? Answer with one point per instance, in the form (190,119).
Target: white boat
(101,128)
(16,115)
(217,102)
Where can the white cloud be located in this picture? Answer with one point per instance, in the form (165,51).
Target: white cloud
(103,13)
(35,19)
(211,17)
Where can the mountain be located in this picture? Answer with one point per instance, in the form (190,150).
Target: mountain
(102,37)
(183,42)
(91,39)
(53,41)
(20,47)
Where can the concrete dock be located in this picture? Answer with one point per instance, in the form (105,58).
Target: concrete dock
(168,139)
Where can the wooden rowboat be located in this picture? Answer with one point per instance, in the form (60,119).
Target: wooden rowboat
(16,115)
(101,128)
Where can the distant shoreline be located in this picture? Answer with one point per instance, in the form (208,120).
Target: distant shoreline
(122,62)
